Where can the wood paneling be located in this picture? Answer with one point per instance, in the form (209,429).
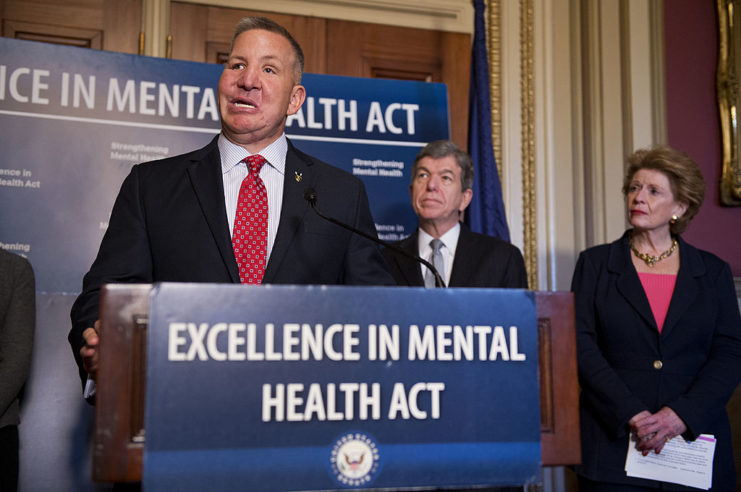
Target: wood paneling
(112,25)
(122,21)
(119,405)
(189,32)
(203,34)
(336,47)
(70,36)
(559,390)
(371,50)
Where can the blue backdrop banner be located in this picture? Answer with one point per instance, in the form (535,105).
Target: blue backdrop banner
(315,388)
(75,120)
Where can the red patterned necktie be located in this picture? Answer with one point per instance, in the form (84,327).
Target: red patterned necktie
(250,237)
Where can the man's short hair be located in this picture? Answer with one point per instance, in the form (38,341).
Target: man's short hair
(443,148)
(250,23)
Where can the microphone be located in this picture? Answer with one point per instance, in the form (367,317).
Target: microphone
(310,196)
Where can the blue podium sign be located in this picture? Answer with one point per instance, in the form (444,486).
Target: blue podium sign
(316,388)
(73,122)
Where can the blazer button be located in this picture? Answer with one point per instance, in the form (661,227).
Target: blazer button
(658,364)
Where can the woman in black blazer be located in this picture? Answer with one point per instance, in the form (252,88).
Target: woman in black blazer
(658,332)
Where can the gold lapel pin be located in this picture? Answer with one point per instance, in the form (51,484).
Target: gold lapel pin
(298,176)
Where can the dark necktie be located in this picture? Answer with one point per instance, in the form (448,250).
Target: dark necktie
(436,258)
(250,235)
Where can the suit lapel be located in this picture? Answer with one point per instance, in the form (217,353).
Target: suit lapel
(464,261)
(628,283)
(686,288)
(293,209)
(204,171)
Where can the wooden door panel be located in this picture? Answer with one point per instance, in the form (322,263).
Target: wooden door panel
(203,34)
(112,25)
(71,36)
(70,13)
(122,23)
(189,32)
(456,72)
(370,50)
(336,47)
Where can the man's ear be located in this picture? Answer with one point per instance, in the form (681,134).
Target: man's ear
(467,197)
(298,95)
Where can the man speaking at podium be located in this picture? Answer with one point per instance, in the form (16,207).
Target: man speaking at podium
(234,211)
(441,189)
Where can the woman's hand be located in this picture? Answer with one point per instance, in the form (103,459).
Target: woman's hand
(652,431)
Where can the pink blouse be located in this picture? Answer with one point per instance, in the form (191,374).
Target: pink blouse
(659,288)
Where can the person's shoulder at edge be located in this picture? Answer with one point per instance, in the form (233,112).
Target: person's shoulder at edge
(15,260)
(602,250)
(709,259)
(494,245)
(470,236)
(477,236)
(601,253)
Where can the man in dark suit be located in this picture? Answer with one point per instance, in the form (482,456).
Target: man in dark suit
(181,219)
(441,189)
(17,324)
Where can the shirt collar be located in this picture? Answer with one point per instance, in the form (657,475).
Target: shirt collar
(449,239)
(232,154)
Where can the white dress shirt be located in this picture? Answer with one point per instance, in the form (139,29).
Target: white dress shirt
(235,170)
(449,240)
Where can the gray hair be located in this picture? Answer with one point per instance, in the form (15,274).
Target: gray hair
(444,148)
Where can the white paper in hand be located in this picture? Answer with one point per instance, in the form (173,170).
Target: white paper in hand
(687,463)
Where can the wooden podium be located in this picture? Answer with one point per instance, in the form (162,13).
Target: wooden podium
(119,416)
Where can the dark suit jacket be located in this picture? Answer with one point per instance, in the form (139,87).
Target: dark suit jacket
(17,324)
(627,366)
(169,224)
(480,261)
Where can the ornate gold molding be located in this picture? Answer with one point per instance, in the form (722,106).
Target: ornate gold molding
(494,55)
(155,26)
(530,222)
(441,15)
(728,99)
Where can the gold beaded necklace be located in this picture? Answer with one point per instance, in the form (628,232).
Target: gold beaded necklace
(652,260)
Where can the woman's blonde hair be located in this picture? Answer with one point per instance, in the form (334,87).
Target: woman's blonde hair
(685,178)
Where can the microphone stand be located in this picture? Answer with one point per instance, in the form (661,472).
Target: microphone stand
(310,196)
